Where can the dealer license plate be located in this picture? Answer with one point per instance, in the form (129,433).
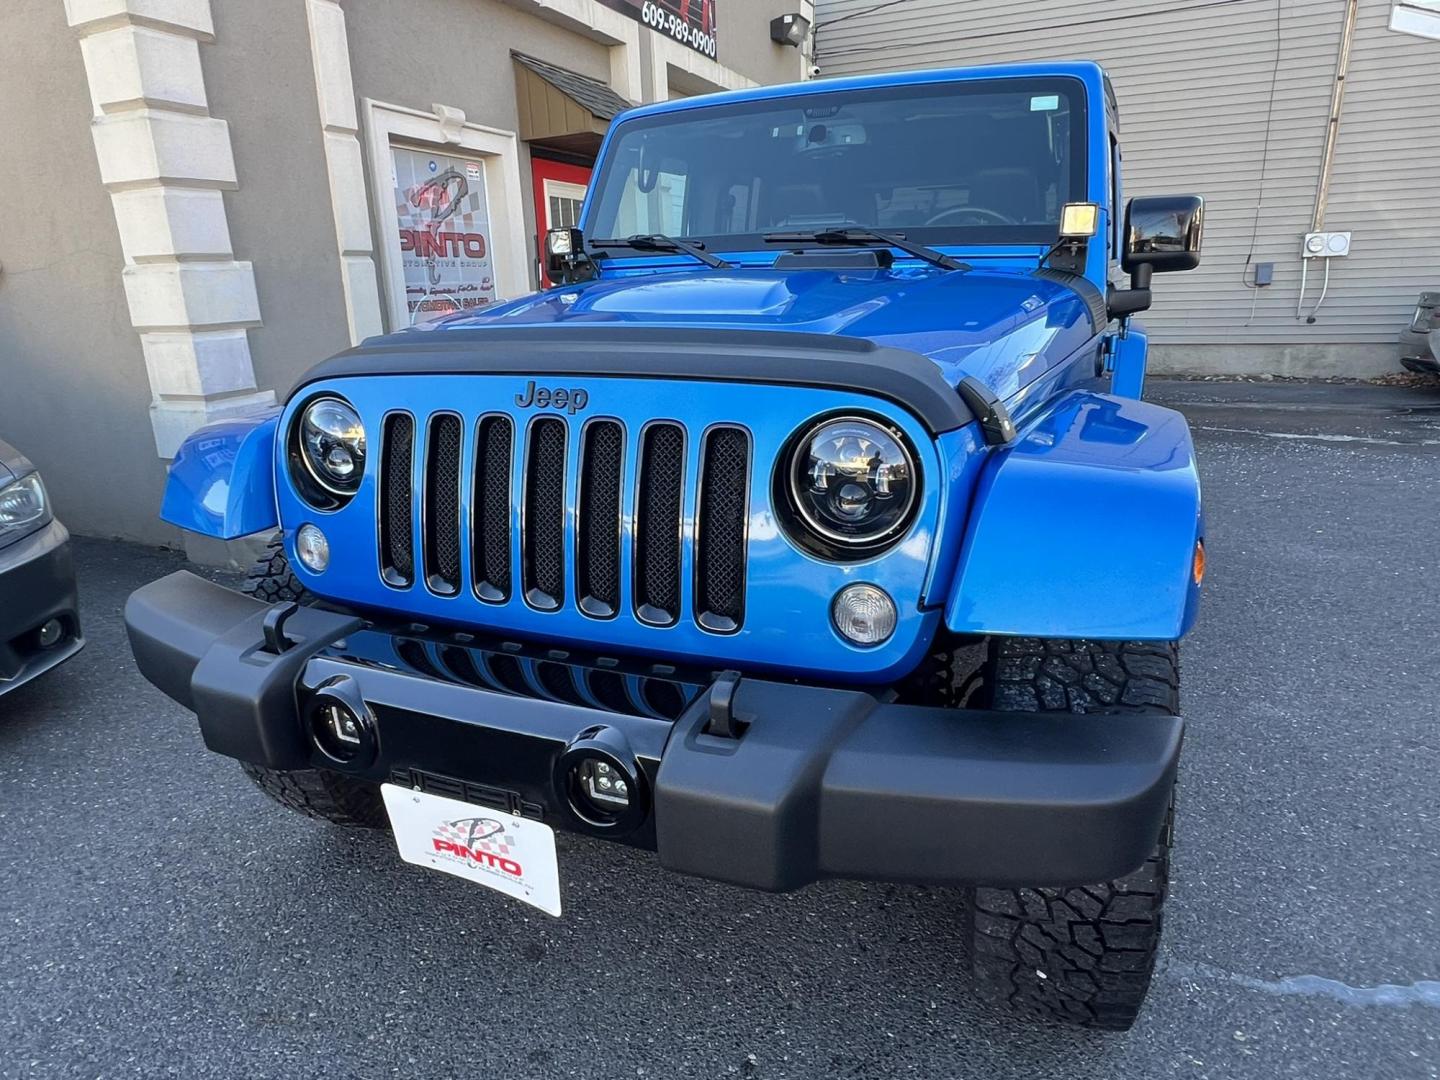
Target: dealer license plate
(512,855)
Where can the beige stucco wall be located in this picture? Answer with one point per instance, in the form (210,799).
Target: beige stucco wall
(742,40)
(74,395)
(260,78)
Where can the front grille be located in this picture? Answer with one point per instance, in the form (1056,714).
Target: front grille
(397,550)
(491,555)
(720,547)
(442,504)
(569,489)
(657,564)
(545,515)
(602,472)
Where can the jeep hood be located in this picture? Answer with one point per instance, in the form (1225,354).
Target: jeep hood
(1004,327)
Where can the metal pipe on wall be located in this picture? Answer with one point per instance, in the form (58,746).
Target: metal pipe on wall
(1337,105)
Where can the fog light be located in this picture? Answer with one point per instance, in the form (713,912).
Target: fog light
(340,724)
(313,548)
(600,778)
(599,790)
(602,784)
(51,633)
(864,614)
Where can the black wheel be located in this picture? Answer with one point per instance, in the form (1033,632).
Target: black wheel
(317,793)
(1084,955)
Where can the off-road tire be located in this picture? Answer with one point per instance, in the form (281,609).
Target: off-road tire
(323,794)
(317,793)
(271,578)
(1085,955)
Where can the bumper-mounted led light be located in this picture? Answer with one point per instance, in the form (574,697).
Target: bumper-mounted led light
(864,615)
(340,723)
(602,781)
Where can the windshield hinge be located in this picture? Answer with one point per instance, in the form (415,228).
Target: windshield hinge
(994,418)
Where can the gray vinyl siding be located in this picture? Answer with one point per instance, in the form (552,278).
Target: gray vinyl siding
(1194,86)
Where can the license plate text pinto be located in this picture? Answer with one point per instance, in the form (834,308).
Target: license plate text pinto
(512,855)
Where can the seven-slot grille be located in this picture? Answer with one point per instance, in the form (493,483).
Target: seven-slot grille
(566,560)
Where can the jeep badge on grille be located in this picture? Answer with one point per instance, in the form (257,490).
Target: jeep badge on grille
(541,397)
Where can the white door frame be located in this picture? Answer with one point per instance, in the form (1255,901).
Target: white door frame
(497,151)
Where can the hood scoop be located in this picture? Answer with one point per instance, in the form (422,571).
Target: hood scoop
(843,259)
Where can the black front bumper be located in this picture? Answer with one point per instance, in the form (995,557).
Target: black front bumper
(765,784)
(37,588)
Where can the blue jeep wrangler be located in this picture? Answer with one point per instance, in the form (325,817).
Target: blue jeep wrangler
(811,526)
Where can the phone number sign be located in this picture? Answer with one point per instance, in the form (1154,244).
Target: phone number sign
(690,22)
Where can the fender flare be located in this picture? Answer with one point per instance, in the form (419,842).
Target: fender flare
(1085,527)
(222,481)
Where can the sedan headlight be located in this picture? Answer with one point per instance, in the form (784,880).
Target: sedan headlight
(23,506)
(853,484)
(329,441)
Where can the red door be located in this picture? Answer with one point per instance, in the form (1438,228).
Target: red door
(559,191)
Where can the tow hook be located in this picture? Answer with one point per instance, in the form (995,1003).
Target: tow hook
(273,627)
(722,722)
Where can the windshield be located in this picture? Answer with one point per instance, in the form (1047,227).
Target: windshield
(966,163)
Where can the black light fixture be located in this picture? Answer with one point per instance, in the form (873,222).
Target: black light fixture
(789,29)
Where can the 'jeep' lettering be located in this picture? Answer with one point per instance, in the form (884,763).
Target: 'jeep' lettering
(570,400)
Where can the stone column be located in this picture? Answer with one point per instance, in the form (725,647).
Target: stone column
(165,161)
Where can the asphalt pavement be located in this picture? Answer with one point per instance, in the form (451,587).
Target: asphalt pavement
(160,917)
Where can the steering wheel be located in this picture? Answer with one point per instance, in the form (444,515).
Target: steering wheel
(979,211)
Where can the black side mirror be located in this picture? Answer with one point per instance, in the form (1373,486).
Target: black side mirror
(1163,235)
(565,258)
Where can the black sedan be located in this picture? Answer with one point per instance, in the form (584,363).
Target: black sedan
(39,618)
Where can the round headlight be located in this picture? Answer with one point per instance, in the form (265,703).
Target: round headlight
(853,482)
(332,445)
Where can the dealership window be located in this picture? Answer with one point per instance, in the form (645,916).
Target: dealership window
(655,204)
(447,199)
(565,201)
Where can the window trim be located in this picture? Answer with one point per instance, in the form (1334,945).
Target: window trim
(952,236)
(498,152)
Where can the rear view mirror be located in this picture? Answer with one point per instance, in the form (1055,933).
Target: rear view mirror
(1163,233)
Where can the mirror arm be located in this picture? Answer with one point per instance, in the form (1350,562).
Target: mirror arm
(1126,302)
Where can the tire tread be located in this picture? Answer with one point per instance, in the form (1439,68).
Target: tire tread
(1082,956)
(317,793)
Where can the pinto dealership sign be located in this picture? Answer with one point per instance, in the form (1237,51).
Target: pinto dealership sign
(690,22)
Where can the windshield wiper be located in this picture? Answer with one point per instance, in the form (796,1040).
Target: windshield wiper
(858,234)
(661,242)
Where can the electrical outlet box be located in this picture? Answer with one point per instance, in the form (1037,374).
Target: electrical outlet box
(1325,245)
